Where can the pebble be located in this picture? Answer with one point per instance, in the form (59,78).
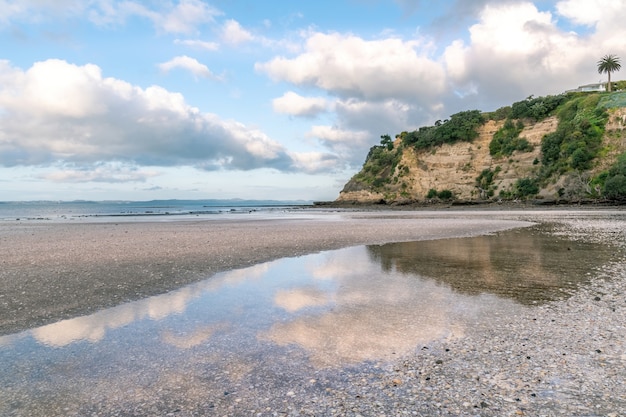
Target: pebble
(563,358)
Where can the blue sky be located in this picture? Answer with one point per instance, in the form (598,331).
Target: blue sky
(190,99)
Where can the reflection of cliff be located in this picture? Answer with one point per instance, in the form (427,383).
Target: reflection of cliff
(528,265)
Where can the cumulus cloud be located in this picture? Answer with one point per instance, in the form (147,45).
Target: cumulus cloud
(387,116)
(296,105)
(588,12)
(59,112)
(349,145)
(110,172)
(190,64)
(351,67)
(198,44)
(332,134)
(513,49)
(183,16)
(604,17)
(186,16)
(36,10)
(233,33)
(315,162)
(516,50)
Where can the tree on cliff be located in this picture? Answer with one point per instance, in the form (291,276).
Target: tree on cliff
(609,64)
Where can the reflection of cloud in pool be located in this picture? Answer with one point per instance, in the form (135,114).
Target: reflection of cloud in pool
(93,327)
(294,300)
(374,314)
(335,265)
(361,334)
(239,276)
(195,338)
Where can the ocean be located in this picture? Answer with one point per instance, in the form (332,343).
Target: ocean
(164,209)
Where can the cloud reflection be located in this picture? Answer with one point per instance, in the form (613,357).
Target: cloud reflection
(294,300)
(374,314)
(93,328)
(350,305)
(193,339)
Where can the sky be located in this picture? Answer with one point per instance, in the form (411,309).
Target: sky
(280,99)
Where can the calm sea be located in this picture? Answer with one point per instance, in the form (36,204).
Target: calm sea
(93,210)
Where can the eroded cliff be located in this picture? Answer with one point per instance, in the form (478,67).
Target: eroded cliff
(470,171)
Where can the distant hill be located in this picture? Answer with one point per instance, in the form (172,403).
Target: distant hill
(564,148)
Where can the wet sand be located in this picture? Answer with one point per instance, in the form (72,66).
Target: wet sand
(565,357)
(53,271)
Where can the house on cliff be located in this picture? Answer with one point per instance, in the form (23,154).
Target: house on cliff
(597,87)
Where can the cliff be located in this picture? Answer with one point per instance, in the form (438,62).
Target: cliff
(566,153)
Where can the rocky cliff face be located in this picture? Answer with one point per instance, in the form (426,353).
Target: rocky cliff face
(456,167)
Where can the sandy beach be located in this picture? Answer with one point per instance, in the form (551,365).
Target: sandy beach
(562,358)
(52,271)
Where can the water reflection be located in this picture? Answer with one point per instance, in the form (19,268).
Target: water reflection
(528,265)
(315,312)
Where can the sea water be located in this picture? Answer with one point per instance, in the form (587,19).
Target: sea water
(94,210)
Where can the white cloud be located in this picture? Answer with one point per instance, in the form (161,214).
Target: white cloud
(518,29)
(349,66)
(58,112)
(233,33)
(296,105)
(385,117)
(334,135)
(183,16)
(588,12)
(516,50)
(196,43)
(110,172)
(351,146)
(38,10)
(186,16)
(190,64)
(314,162)
(381,87)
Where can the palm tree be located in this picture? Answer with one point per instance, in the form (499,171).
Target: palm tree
(609,64)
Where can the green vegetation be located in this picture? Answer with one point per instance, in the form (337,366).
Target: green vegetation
(614,100)
(567,158)
(380,164)
(620,85)
(506,140)
(536,108)
(526,187)
(615,180)
(578,138)
(385,140)
(485,182)
(501,114)
(442,195)
(460,127)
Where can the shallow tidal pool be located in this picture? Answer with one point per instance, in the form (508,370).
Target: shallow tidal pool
(293,322)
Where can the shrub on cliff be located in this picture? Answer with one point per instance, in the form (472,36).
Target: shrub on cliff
(536,108)
(460,127)
(506,140)
(578,138)
(526,187)
(615,180)
(442,195)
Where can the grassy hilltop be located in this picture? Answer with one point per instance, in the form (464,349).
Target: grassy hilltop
(569,147)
